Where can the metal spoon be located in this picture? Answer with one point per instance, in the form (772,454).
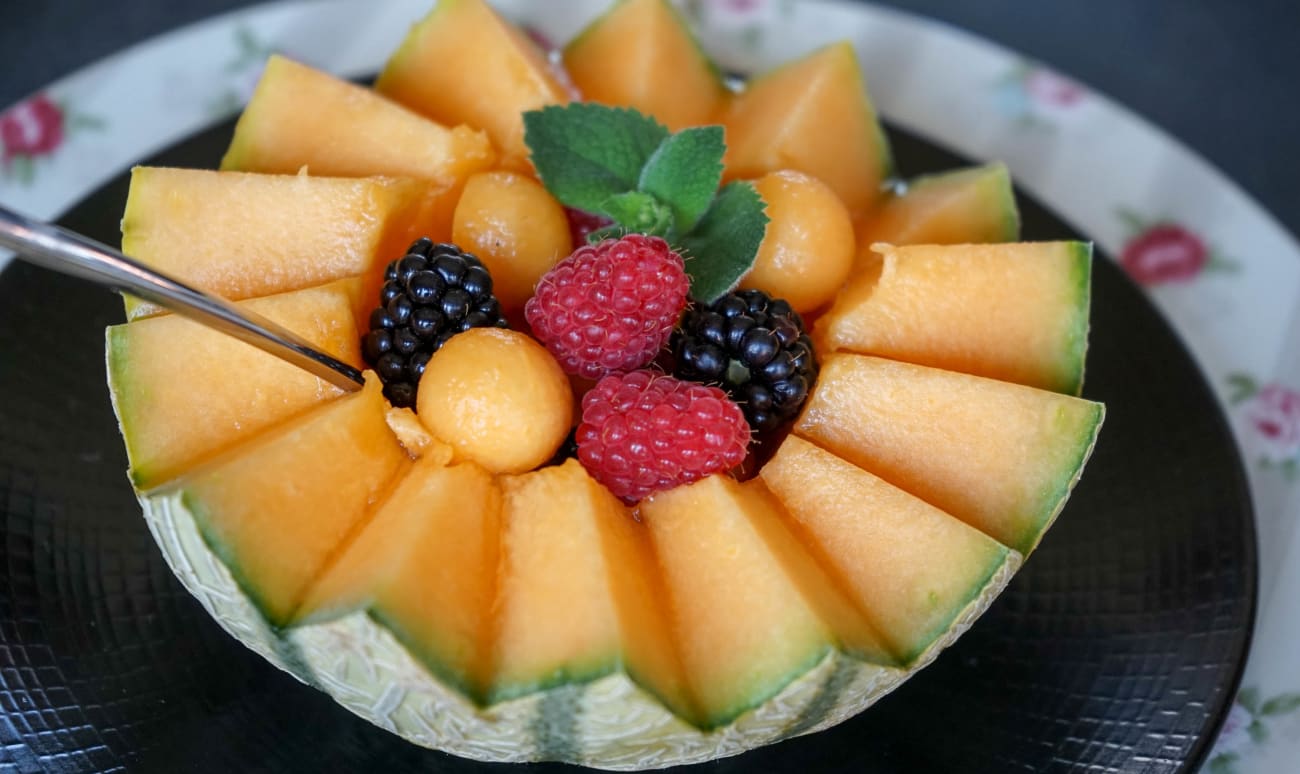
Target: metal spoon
(70,253)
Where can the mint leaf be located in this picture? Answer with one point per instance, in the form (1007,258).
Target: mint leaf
(684,173)
(640,212)
(722,247)
(621,164)
(586,153)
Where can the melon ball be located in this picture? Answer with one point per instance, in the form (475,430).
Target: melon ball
(515,227)
(497,398)
(808,249)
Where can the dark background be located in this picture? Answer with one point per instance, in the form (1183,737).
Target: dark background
(1221,75)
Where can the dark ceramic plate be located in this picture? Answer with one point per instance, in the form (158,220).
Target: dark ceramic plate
(1116,648)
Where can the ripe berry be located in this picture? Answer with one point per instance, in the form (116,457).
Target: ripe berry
(581,224)
(609,307)
(644,431)
(429,295)
(753,346)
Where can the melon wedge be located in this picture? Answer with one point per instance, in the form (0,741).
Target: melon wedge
(169,379)
(964,206)
(751,612)
(911,568)
(640,54)
(243,235)
(301,117)
(277,508)
(425,568)
(1017,312)
(812,115)
(577,599)
(464,64)
(1001,457)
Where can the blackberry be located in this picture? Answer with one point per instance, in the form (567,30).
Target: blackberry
(429,295)
(755,348)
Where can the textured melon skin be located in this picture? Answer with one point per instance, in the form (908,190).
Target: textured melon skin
(610,723)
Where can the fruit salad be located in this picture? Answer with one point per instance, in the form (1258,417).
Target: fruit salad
(689,425)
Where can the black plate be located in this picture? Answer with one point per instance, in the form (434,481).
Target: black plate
(1117,648)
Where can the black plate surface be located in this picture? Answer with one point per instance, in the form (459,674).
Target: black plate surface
(1117,648)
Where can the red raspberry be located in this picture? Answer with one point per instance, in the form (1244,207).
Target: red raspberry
(609,307)
(643,431)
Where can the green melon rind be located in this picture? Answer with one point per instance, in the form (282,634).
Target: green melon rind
(440,668)
(130,216)
(999,560)
(766,691)
(618,725)
(1004,198)
(117,354)
(586,671)
(227,555)
(1055,500)
(1074,350)
(208,579)
(855,701)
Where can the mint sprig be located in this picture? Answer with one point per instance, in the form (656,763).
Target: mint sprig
(722,248)
(684,172)
(586,153)
(626,166)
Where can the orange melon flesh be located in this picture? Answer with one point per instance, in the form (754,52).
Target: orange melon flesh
(425,567)
(1001,457)
(911,568)
(465,64)
(170,380)
(577,598)
(1017,312)
(242,235)
(746,607)
(642,55)
(301,117)
(276,509)
(964,206)
(812,115)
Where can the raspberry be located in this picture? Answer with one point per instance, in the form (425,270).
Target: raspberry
(644,431)
(609,307)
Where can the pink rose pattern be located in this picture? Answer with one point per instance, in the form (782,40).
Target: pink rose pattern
(1272,413)
(1036,97)
(36,129)
(1050,88)
(1248,726)
(32,128)
(1162,251)
(747,22)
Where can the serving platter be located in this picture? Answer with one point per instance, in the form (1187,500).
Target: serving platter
(1119,646)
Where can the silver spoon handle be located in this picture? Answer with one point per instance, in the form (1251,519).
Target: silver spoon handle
(67,252)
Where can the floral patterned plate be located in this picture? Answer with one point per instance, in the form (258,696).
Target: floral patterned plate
(1221,271)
